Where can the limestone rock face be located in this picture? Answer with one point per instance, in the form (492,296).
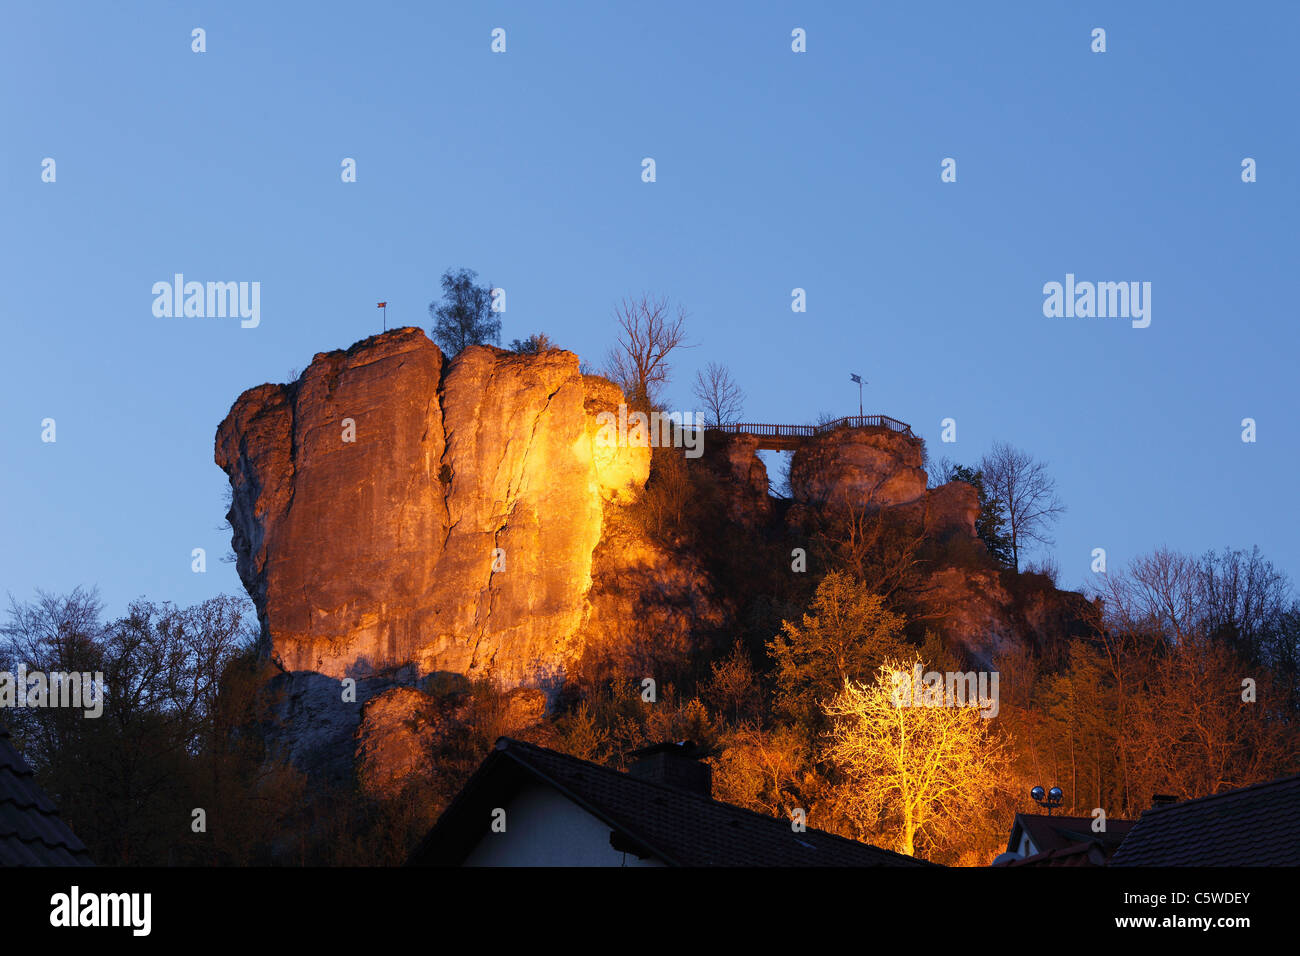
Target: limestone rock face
(648,606)
(621,469)
(948,510)
(875,467)
(395,740)
(391,508)
(743,476)
(955,505)
(992,612)
(973,608)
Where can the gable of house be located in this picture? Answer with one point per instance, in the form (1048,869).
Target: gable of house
(543,827)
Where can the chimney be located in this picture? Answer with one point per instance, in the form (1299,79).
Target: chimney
(1159,800)
(676,764)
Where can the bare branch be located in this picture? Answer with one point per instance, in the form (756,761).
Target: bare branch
(718,393)
(1027,493)
(648,334)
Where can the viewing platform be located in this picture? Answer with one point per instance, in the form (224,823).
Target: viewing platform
(789,437)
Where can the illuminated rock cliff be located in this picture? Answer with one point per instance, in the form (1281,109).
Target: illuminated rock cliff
(391,508)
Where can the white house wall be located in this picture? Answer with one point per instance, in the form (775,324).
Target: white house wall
(545,828)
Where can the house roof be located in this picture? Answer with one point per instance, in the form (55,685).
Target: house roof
(673,825)
(1060,833)
(31,832)
(1254,826)
(1064,841)
(1078,854)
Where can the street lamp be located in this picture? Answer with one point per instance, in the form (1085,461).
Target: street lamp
(1051,799)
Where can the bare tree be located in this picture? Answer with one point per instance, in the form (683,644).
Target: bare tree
(1027,494)
(718,392)
(939,472)
(638,363)
(1244,596)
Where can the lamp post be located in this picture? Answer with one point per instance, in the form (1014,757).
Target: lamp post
(1051,799)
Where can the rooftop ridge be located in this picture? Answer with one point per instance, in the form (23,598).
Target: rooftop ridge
(679,792)
(1226,794)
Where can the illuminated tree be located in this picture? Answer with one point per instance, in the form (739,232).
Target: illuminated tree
(916,773)
(734,689)
(768,772)
(848,634)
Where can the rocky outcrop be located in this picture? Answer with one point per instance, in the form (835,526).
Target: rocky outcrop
(875,467)
(621,468)
(418,525)
(741,473)
(650,609)
(988,613)
(972,608)
(949,510)
(391,508)
(395,740)
(871,470)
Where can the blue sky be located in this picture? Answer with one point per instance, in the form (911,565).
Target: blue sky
(775,170)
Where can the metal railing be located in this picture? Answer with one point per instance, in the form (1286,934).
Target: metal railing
(808,431)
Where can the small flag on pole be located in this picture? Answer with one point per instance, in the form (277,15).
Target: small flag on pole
(382,305)
(855,378)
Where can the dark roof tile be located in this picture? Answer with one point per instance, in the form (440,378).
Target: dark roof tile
(31,831)
(1254,826)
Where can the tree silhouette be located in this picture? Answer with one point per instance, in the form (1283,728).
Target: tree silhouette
(464,317)
(638,363)
(1027,495)
(719,394)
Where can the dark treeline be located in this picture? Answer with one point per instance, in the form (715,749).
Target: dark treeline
(171,739)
